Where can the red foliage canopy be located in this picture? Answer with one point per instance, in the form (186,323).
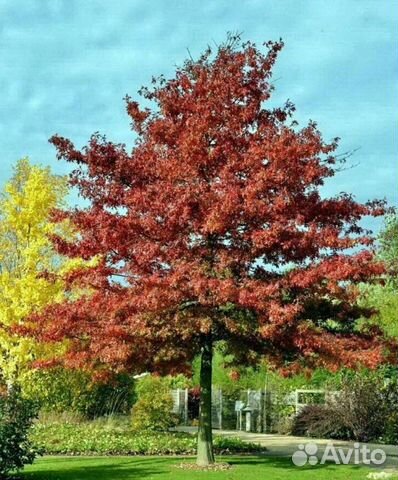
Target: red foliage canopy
(214,223)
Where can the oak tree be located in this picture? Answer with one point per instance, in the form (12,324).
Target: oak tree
(213,229)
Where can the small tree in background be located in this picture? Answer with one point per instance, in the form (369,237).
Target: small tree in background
(31,271)
(27,257)
(213,229)
(384,297)
(389,244)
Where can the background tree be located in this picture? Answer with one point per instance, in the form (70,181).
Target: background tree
(25,252)
(213,229)
(389,245)
(384,297)
(30,269)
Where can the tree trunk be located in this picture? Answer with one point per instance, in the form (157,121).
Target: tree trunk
(205,455)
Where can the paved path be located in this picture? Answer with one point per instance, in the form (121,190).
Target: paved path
(286,445)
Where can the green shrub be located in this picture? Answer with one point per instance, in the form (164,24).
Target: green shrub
(390,434)
(153,410)
(61,390)
(149,384)
(390,392)
(16,419)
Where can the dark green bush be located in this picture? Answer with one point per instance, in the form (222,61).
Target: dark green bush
(112,398)
(320,421)
(16,419)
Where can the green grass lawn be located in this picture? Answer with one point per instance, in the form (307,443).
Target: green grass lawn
(160,468)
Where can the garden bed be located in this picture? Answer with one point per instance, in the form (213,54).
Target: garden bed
(91,438)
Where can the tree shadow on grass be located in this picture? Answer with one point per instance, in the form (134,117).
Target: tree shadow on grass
(285,463)
(96,469)
(132,468)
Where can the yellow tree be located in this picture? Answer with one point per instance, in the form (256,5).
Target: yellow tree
(27,259)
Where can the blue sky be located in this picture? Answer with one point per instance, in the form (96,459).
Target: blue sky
(65,66)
